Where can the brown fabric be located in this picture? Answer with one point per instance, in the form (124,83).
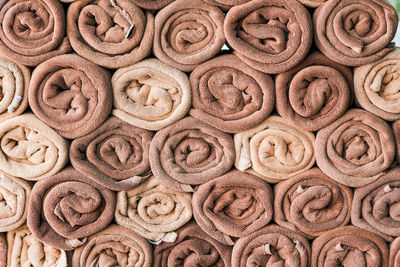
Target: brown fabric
(271,36)
(152,4)
(114,246)
(189,153)
(110,33)
(272,246)
(30,149)
(32,31)
(229,95)
(151,94)
(187,33)
(115,155)
(355,32)
(233,206)
(226,4)
(376,86)
(68,207)
(312,3)
(356,149)
(71,95)
(153,210)
(193,247)
(312,203)
(3,250)
(396,131)
(349,246)
(394,257)
(274,150)
(314,93)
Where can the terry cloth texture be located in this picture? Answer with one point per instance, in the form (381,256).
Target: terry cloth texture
(226,4)
(394,256)
(152,4)
(3,250)
(312,3)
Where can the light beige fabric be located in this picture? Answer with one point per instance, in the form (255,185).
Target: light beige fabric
(312,3)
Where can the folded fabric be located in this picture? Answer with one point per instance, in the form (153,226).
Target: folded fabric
(226,4)
(394,255)
(314,93)
(67,207)
(274,150)
(14,88)
(229,95)
(376,86)
(153,210)
(272,246)
(349,246)
(233,206)
(150,94)
(271,36)
(30,149)
(356,149)
(312,3)
(190,152)
(114,246)
(193,247)
(3,250)
(355,32)
(25,250)
(152,4)
(71,95)
(115,155)
(396,131)
(32,31)
(187,33)
(110,33)
(312,203)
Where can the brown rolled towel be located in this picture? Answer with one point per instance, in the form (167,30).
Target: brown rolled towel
(189,153)
(355,32)
(153,210)
(312,3)
(71,95)
(114,246)
(229,95)
(394,255)
(233,206)
(110,33)
(193,247)
(349,246)
(376,86)
(226,4)
(187,33)
(274,150)
(115,155)
(151,94)
(312,203)
(356,149)
(271,36)
(152,4)
(32,31)
(272,246)
(30,149)
(314,93)
(3,250)
(68,207)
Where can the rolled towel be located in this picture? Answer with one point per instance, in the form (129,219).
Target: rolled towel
(153,210)
(274,150)
(355,32)
(115,155)
(233,206)
(30,149)
(151,94)
(349,246)
(3,250)
(356,149)
(71,95)
(272,246)
(68,207)
(229,95)
(32,31)
(26,250)
(312,3)
(193,247)
(376,86)
(394,255)
(114,246)
(312,203)
(271,36)
(14,89)
(189,153)
(314,93)
(152,4)
(226,4)
(187,33)
(110,33)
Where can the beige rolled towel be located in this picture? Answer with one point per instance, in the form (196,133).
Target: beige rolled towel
(274,150)
(3,250)
(151,94)
(30,149)
(394,256)
(312,3)
(153,210)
